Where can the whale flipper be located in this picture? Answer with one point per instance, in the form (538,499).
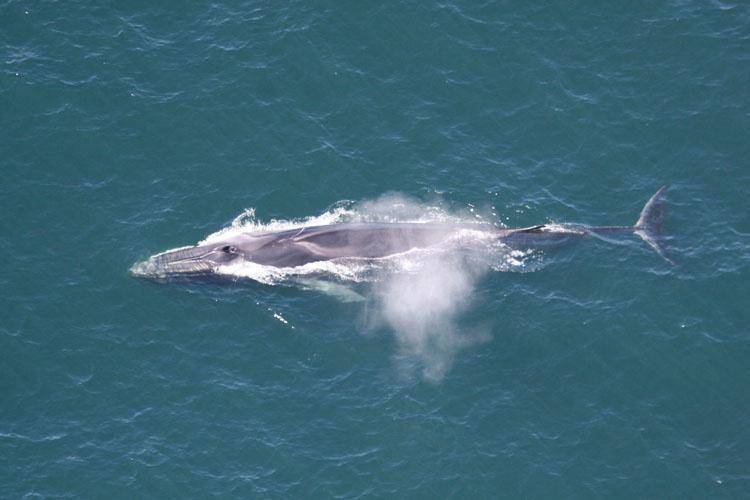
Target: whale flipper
(340,292)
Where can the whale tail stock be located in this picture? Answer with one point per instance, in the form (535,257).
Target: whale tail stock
(650,224)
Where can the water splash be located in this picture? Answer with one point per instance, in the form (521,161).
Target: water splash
(419,295)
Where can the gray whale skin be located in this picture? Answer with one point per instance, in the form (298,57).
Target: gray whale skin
(301,246)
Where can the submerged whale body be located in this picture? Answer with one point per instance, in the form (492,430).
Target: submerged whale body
(297,247)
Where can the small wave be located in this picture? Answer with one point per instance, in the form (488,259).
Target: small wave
(246,222)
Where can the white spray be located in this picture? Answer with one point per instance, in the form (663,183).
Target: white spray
(419,295)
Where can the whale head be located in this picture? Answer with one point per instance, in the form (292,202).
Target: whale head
(187,263)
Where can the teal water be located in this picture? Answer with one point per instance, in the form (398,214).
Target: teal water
(594,370)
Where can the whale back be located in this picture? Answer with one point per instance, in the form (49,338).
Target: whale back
(300,246)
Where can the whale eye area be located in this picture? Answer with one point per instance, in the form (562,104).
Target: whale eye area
(228,249)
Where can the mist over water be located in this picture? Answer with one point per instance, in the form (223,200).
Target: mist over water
(419,295)
(423,307)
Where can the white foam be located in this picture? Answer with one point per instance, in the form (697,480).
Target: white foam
(344,269)
(388,208)
(247,222)
(418,294)
(479,247)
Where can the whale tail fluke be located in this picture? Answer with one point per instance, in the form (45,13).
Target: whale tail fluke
(650,224)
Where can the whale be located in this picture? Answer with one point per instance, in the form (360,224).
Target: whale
(300,246)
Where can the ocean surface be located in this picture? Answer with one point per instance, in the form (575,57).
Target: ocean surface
(591,370)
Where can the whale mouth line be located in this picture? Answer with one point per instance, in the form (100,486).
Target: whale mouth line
(173,265)
(150,269)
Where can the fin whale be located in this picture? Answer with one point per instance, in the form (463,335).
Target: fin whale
(296,247)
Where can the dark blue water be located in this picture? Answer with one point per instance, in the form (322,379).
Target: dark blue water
(591,370)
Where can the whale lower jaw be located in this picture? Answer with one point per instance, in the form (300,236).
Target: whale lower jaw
(157,269)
